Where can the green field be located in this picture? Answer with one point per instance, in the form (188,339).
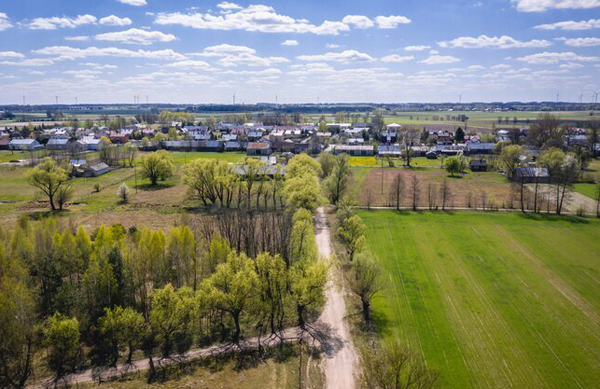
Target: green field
(492,300)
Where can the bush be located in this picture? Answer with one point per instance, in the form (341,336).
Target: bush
(123,193)
(96,187)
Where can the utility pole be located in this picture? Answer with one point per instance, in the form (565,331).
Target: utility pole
(24,100)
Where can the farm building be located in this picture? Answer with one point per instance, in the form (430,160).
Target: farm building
(233,146)
(259,148)
(24,144)
(480,148)
(532,174)
(96,170)
(389,151)
(57,144)
(431,155)
(353,150)
(478,165)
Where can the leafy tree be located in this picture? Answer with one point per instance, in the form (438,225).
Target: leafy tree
(364,279)
(49,178)
(302,164)
(552,159)
(122,326)
(302,239)
(337,182)
(217,253)
(272,281)
(394,366)
(303,192)
(327,161)
(509,159)
(459,135)
(17,321)
(61,336)
(233,288)
(171,317)
(307,283)
(454,166)
(123,193)
(131,152)
(352,235)
(156,166)
(64,194)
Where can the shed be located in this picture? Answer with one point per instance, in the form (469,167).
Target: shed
(532,174)
(259,148)
(478,165)
(96,170)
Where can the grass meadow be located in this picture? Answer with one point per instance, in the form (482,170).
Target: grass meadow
(492,300)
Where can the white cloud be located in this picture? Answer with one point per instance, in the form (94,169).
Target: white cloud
(416,48)
(546,58)
(289,42)
(99,66)
(260,18)
(78,38)
(10,54)
(135,3)
(503,42)
(332,46)
(571,65)
(397,58)
(433,52)
(229,6)
(544,5)
(231,55)
(5,23)
(29,62)
(67,52)
(135,36)
(500,66)
(439,59)
(113,20)
(61,22)
(190,64)
(391,21)
(583,42)
(358,21)
(344,56)
(571,25)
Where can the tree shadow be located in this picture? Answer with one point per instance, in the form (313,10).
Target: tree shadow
(554,218)
(149,187)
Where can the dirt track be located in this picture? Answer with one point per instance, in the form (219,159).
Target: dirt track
(340,361)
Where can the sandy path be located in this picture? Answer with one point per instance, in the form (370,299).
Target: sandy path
(107,374)
(340,362)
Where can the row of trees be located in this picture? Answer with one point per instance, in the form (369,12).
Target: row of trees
(94,299)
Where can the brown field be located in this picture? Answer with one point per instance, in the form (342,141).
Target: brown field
(489,189)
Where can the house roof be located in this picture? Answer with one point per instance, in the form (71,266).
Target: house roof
(259,145)
(478,162)
(58,141)
(28,141)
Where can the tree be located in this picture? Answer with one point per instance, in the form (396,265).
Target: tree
(397,190)
(301,164)
(64,194)
(510,158)
(459,135)
(303,192)
(49,178)
(352,235)
(364,279)
(123,193)
(172,314)
(17,321)
(307,283)
(302,238)
(445,194)
(122,326)
(337,182)
(233,288)
(131,152)
(415,190)
(272,281)
(327,161)
(394,366)
(61,336)
(453,166)
(156,166)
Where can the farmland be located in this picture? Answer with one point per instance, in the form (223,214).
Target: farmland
(492,300)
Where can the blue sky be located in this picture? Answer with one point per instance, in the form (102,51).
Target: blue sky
(107,51)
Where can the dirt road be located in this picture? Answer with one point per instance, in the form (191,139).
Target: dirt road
(340,361)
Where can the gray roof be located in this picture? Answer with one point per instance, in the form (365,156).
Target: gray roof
(58,141)
(28,141)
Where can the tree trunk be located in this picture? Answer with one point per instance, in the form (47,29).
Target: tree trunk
(366,305)
(236,320)
(301,323)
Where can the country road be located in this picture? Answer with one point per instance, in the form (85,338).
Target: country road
(340,362)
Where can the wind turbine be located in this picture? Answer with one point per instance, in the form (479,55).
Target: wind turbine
(56,99)
(459,99)
(580,98)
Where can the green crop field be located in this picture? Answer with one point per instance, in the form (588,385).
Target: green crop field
(492,300)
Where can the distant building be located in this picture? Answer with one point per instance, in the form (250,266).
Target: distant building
(478,165)
(532,174)
(353,150)
(96,170)
(259,148)
(24,144)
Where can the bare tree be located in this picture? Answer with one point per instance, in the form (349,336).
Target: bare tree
(414,185)
(369,199)
(445,194)
(598,200)
(394,366)
(397,190)
(431,196)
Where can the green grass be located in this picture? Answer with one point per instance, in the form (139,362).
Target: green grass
(492,300)
(589,190)
(181,157)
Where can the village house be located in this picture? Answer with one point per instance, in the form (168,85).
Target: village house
(259,148)
(24,144)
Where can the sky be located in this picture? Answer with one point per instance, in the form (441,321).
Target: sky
(298,51)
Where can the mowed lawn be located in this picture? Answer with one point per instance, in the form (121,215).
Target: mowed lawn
(492,300)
